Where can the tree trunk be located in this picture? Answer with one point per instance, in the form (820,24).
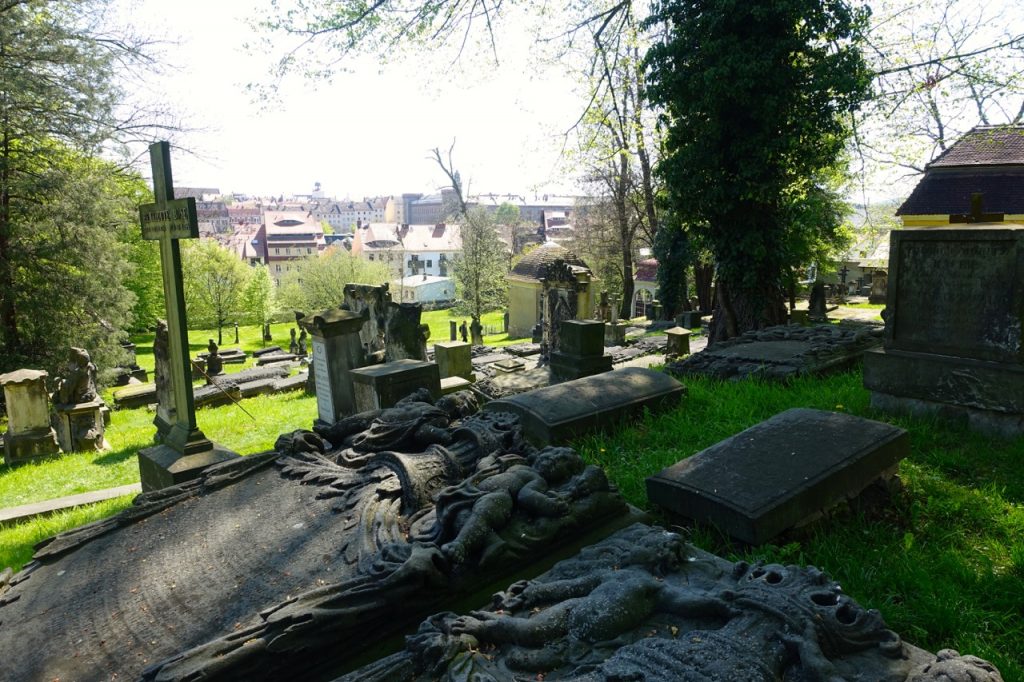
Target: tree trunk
(739,310)
(703,275)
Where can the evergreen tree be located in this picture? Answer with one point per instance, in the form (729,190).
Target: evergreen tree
(64,218)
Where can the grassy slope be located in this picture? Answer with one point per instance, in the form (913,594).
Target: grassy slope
(944,562)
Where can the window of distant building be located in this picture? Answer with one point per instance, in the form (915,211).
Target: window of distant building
(277,252)
(277,268)
(309,250)
(430,263)
(370,256)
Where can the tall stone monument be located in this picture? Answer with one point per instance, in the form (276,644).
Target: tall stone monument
(953,315)
(185,451)
(78,409)
(29,434)
(337,348)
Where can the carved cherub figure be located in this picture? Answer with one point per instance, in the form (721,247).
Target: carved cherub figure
(472,512)
(77,383)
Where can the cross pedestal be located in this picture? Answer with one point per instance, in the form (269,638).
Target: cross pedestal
(185,451)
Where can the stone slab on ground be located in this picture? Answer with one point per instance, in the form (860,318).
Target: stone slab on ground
(27,511)
(523,349)
(783,352)
(643,605)
(290,564)
(558,413)
(779,473)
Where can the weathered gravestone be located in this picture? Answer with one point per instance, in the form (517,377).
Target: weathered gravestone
(779,473)
(337,349)
(78,411)
(580,351)
(290,564)
(29,434)
(645,606)
(953,327)
(184,451)
(378,386)
(130,370)
(392,331)
(555,414)
(817,305)
(782,352)
(677,341)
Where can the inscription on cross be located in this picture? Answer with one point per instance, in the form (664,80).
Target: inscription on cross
(185,450)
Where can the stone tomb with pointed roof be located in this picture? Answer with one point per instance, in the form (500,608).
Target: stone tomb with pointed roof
(526,283)
(988,160)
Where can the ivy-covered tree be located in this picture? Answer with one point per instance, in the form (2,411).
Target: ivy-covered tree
(755,98)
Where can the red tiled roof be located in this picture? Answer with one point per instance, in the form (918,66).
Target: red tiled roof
(985,146)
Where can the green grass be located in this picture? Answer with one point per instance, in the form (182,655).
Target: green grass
(17,542)
(132,430)
(943,562)
(865,306)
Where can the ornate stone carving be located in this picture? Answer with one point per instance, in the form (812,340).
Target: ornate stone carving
(296,559)
(644,605)
(77,382)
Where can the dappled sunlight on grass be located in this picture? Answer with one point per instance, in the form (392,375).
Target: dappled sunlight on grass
(943,561)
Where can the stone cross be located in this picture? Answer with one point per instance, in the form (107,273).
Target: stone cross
(167,221)
(977,215)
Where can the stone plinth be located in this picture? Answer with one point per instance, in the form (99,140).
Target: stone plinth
(80,427)
(379,386)
(780,472)
(615,333)
(580,350)
(337,349)
(29,434)
(677,341)
(556,414)
(454,359)
(954,312)
(509,366)
(454,385)
(162,466)
(690,319)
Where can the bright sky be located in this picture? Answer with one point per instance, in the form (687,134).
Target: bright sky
(367,133)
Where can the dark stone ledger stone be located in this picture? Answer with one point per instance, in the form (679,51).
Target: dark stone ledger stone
(780,472)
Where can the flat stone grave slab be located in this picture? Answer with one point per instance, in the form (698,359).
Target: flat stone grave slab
(490,358)
(558,413)
(643,605)
(269,350)
(275,357)
(783,352)
(523,349)
(509,366)
(779,473)
(287,565)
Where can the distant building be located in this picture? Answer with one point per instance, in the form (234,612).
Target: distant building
(287,236)
(410,249)
(397,209)
(988,160)
(426,289)
(525,287)
(645,286)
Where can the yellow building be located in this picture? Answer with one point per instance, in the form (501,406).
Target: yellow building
(547,267)
(987,161)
